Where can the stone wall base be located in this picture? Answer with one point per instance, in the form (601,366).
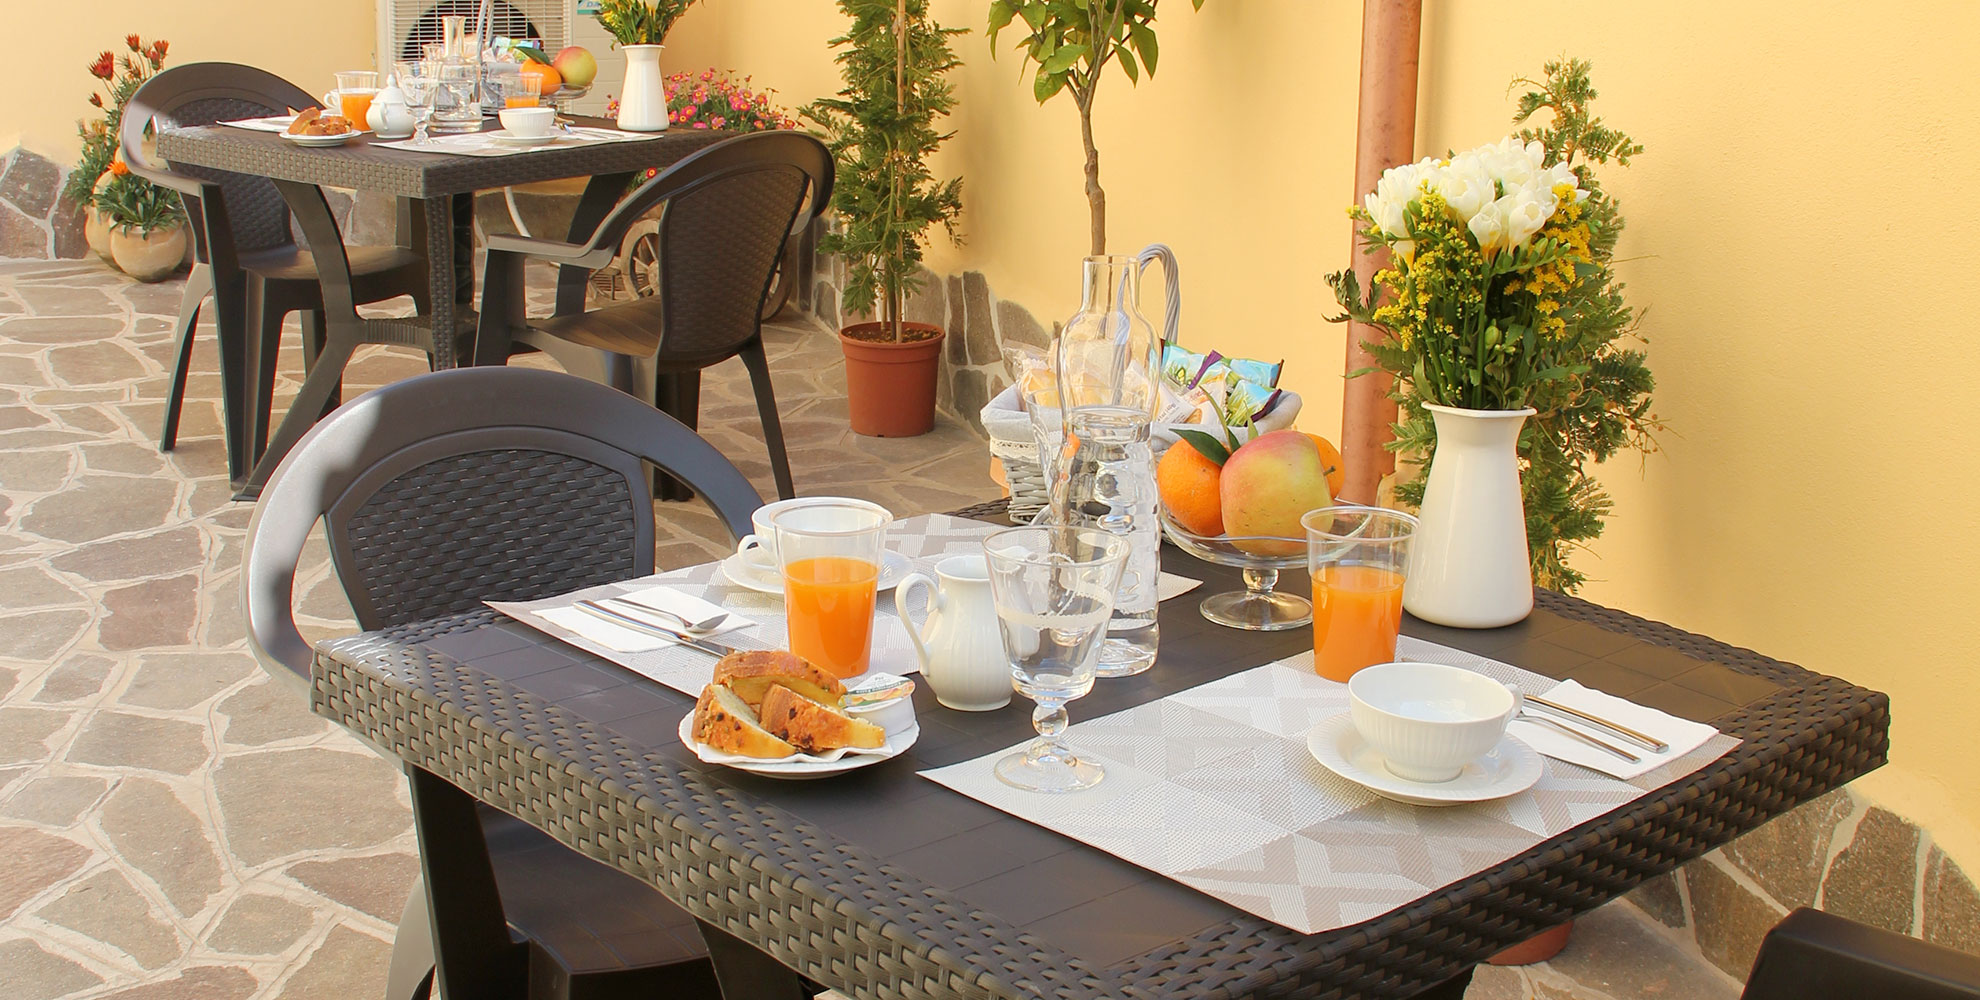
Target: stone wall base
(36,222)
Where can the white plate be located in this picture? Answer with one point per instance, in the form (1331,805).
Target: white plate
(503,135)
(321,140)
(894,568)
(1507,769)
(802,767)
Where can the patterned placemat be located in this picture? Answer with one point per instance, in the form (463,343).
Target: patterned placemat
(1214,787)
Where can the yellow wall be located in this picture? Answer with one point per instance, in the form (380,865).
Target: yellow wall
(54,43)
(1800,235)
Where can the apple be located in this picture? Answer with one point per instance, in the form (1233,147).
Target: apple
(577,66)
(1267,485)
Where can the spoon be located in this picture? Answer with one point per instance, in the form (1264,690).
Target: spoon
(704,625)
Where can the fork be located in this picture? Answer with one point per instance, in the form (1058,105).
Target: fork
(704,625)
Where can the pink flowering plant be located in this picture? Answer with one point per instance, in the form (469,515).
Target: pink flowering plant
(719,99)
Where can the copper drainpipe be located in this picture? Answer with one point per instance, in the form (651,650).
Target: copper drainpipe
(1385,136)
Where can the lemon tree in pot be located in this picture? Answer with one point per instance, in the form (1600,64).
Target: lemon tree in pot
(881,129)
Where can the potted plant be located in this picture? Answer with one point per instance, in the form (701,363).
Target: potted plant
(881,129)
(147,225)
(640,28)
(91,176)
(1059,40)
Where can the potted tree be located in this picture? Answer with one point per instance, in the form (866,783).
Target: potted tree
(881,128)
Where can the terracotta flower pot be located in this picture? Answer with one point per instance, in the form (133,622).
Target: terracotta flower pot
(890,388)
(1538,948)
(148,256)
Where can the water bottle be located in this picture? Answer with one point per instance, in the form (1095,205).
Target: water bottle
(1110,484)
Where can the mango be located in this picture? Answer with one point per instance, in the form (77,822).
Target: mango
(1268,485)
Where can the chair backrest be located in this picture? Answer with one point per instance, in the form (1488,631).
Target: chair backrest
(251,214)
(447,489)
(725,214)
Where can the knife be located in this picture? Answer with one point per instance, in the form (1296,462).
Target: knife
(1567,730)
(623,620)
(1613,729)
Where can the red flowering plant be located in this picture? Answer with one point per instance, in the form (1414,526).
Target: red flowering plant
(124,194)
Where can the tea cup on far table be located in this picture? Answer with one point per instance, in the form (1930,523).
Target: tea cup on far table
(528,123)
(759,548)
(1428,720)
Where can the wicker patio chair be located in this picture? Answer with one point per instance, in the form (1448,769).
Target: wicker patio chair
(439,492)
(726,213)
(246,256)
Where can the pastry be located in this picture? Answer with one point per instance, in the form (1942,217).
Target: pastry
(303,118)
(813,726)
(752,672)
(723,722)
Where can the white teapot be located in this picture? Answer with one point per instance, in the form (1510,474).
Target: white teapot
(389,118)
(959,644)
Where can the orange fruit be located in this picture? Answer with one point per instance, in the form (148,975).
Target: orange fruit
(1331,460)
(551,78)
(1187,484)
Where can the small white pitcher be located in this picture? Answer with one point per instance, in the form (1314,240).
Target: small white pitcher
(961,649)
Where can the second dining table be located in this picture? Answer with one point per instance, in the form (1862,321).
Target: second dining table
(435,191)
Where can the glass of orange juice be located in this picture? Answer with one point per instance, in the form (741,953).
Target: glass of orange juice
(829,556)
(522,90)
(1357,557)
(355,89)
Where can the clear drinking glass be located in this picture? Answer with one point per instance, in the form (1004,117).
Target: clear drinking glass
(1054,591)
(1358,558)
(829,556)
(458,107)
(419,82)
(355,90)
(1109,486)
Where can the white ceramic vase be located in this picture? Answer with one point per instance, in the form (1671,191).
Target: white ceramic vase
(643,104)
(1468,562)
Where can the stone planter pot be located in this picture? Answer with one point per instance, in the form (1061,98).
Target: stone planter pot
(148,256)
(890,388)
(96,232)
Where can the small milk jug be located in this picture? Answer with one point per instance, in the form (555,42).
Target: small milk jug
(961,649)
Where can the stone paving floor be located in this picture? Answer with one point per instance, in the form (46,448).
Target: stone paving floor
(171,823)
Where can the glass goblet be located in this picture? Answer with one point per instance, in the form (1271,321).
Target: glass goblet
(1054,592)
(419,83)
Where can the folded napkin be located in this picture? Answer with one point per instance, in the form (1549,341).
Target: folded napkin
(626,640)
(1170,585)
(1683,735)
(272,123)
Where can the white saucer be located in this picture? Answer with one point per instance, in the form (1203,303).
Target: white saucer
(894,568)
(802,767)
(526,141)
(1507,769)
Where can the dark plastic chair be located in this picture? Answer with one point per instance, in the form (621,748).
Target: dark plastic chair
(246,256)
(726,213)
(1816,954)
(439,492)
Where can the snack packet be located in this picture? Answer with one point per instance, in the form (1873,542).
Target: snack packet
(1183,369)
(1260,372)
(1246,401)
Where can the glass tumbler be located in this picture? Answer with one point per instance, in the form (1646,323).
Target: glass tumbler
(1110,484)
(1358,558)
(829,556)
(1053,588)
(458,106)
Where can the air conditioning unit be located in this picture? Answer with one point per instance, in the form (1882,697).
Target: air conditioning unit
(405,25)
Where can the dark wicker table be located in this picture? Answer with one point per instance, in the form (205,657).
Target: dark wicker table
(881,883)
(436,192)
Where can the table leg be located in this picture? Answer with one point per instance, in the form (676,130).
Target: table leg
(678,396)
(744,971)
(443,274)
(599,196)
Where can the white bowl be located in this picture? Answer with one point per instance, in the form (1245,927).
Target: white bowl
(1428,720)
(527,122)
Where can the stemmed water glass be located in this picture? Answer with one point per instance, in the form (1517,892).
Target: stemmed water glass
(419,83)
(1054,592)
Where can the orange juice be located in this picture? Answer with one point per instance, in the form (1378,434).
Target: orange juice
(520,101)
(355,105)
(1357,613)
(829,603)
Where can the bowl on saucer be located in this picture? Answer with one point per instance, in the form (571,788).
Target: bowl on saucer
(1428,720)
(1506,769)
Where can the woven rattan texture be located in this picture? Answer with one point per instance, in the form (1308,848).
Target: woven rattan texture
(718,244)
(256,213)
(522,524)
(842,917)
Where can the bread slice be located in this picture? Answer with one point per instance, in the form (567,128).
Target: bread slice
(813,726)
(752,672)
(303,118)
(722,721)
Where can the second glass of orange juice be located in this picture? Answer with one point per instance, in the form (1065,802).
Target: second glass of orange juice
(829,555)
(1357,557)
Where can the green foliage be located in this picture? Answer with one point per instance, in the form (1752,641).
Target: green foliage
(1603,407)
(638,22)
(1070,42)
(133,203)
(881,129)
(121,78)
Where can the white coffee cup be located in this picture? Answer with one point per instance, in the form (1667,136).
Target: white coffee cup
(1428,720)
(528,123)
(759,548)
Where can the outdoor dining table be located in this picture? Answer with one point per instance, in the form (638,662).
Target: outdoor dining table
(881,883)
(435,192)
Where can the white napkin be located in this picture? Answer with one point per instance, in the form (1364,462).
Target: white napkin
(1683,735)
(272,123)
(1170,585)
(626,640)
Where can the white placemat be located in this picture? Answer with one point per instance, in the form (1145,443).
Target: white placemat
(272,123)
(1214,787)
(486,144)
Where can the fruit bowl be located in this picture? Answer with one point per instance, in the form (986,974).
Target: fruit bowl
(1258,607)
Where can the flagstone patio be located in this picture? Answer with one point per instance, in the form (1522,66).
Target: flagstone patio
(176,826)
